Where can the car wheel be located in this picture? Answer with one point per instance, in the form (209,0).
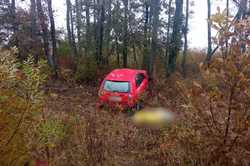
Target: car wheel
(99,106)
(138,106)
(130,112)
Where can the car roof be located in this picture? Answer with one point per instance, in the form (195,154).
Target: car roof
(123,74)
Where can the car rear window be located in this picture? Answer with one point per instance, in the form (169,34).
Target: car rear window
(117,86)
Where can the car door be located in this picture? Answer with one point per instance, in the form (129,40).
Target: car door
(141,83)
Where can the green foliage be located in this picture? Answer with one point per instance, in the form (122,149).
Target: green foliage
(22,103)
(8,66)
(51,132)
(86,70)
(35,77)
(64,49)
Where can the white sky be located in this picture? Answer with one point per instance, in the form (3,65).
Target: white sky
(197,24)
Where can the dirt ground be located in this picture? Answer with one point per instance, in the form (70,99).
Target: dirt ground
(100,136)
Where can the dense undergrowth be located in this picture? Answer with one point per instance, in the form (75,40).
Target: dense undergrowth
(55,122)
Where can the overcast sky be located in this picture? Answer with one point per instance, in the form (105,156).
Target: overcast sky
(198,22)
(197,27)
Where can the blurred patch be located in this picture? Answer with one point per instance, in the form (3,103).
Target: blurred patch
(153,117)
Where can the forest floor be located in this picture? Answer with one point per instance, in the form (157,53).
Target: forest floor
(66,97)
(63,97)
(103,136)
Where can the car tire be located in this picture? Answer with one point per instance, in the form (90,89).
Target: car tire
(138,106)
(99,106)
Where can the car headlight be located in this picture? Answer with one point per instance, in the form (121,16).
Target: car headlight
(130,98)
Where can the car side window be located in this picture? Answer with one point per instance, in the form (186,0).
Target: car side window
(139,79)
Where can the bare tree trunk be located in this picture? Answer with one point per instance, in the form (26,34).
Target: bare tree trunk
(45,32)
(242,14)
(102,19)
(68,22)
(145,42)
(175,44)
(96,15)
(13,15)
(117,51)
(107,31)
(70,28)
(34,30)
(134,52)
(78,23)
(168,33)
(72,31)
(100,22)
(53,36)
(227,28)
(183,64)
(209,38)
(125,35)
(116,30)
(88,36)
(14,25)
(13,12)
(153,52)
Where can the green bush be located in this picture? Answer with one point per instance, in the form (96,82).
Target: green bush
(64,49)
(86,70)
(26,130)
(51,132)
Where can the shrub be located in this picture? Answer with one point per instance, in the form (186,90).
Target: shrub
(215,124)
(215,130)
(51,132)
(86,70)
(64,49)
(21,110)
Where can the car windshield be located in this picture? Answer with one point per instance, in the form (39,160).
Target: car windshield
(117,86)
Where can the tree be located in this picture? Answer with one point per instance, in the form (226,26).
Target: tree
(155,14)
(45,32)
(100,28)
(227,26)
(168,31)
(73,31)
(33,13)
(4,20)
(68,22)
(78,23)
(88,37)
(175,44)
(14,22)
(125,34)
(33,17)
(116,22)
(209,37)
(70,28)
(108,30)
(183,64)
(242,14)
(146,27)
(53,35)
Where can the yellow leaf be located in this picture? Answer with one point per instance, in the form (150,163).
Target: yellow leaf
(196,84)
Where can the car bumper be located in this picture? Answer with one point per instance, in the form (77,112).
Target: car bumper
(115,105)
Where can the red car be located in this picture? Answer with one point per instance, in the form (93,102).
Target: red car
(123,87)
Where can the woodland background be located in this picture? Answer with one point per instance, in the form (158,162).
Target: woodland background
(49,81)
